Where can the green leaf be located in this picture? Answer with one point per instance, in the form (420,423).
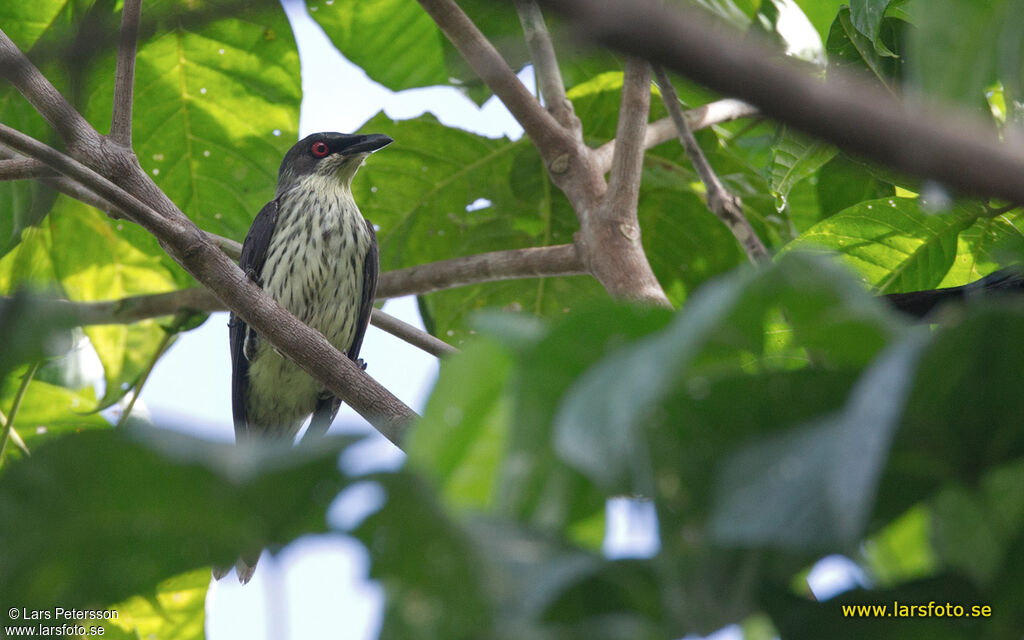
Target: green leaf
(985,246)
(26,22)
(848,48)
(394,41)
(49,411)
(891,242)
(867,16)
(92,262)
(844,182)
(175,609)
(821,13)
(398,45)
(815,487)
(796,159)
(131,508)
(599,422)
(216,108)
(461,438)
(537,486)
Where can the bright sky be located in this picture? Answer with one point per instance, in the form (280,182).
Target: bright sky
(317,585)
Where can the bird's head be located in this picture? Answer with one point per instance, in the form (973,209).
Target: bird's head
(328,154)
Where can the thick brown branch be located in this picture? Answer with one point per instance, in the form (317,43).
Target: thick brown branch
(545,65)
(725,205)
(848,112)
(124,77)
(50,104)
(611,233)
(559,260)
(664,130)
(541,127)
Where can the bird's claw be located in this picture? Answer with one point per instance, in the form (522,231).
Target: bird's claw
(361,364)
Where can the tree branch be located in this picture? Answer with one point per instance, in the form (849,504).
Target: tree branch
(559,260)
(541,127)
(611,233)
(846,111)
(199,299)
(414,336)
(545,65)
(124,78)
(24,168)
(664,130)
(42,95)
(725,205)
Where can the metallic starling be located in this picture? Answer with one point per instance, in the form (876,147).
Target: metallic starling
(314,253)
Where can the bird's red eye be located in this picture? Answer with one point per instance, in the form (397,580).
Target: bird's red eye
(319,149)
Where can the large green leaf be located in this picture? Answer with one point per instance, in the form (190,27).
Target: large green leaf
(599,423)
(815,486)
(94,261)
(461,439)
(400,46)
(893,243)
(26,22)
(129,509)
(216,108)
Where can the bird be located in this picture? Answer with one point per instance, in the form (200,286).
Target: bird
(922,304)
(313,252)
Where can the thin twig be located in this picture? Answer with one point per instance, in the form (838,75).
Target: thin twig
(42,95)
(124,76)
(15,437)
(951,148)
(413,335)
(664,130)
(15,405)
(725,205)
(137,391)
(559,260)
(545,65)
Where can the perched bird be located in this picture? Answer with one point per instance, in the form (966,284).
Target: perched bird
(314,253)
(311,249)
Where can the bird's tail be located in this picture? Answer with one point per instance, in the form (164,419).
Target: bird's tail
(245,567)
(921,303)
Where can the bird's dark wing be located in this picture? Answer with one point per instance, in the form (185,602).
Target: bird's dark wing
(921,303)
(254,255)
(371,266)
(327,407)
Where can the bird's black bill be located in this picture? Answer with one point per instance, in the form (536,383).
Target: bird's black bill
(368,143)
